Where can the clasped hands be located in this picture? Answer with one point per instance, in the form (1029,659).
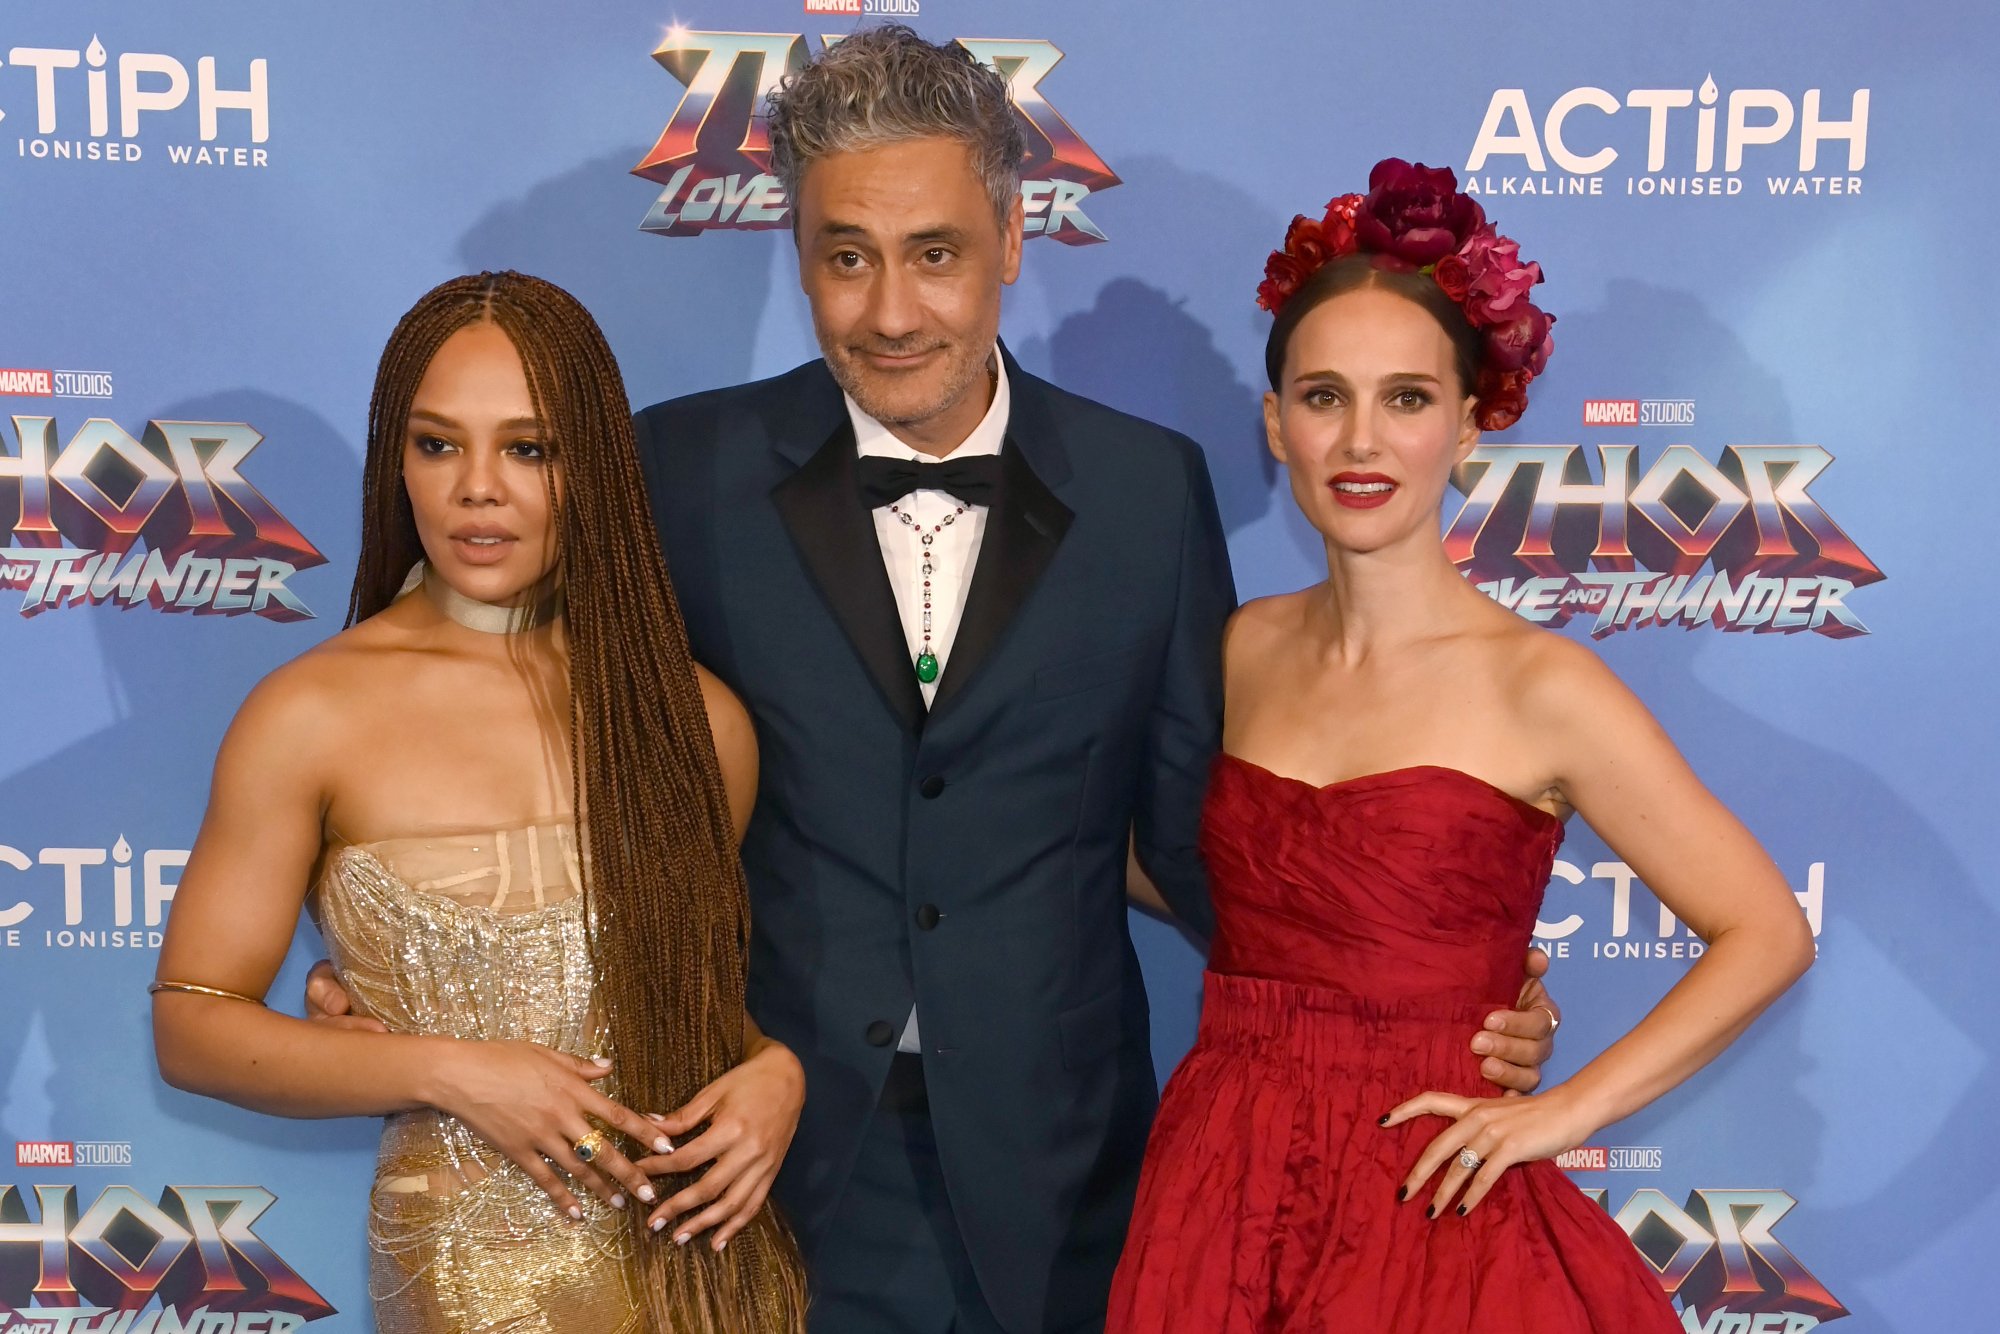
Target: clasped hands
(534,1105)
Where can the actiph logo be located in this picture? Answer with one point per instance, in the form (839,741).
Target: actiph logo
(213,543)
(714,156)
(1569,144)
(151,88)
(1738,544)
(125,913)
(1628,931)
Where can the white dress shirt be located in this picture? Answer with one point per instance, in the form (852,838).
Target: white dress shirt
(954,551)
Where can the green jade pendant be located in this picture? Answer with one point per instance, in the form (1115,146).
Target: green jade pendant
(927,667)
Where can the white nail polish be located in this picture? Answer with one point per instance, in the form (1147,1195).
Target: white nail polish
(604,1061)
(617,1201)
(576,1213)
(646,1194)
(663,1145)
(683,1239)
(657,1224)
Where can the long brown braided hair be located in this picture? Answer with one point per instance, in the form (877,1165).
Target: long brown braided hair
(668,909)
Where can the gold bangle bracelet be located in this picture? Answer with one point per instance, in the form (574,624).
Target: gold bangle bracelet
(194,989)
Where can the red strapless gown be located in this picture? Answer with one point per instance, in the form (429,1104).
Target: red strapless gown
(1363,932)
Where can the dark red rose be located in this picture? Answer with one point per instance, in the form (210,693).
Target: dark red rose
(1503,397)
(1454,275)
(1305,242)
(1415,212)
(1282,275)
(1520,341)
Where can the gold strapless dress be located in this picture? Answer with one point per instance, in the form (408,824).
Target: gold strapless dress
(477,936)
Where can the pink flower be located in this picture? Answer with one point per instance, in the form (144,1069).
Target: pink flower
(1415,212)
(1496,281)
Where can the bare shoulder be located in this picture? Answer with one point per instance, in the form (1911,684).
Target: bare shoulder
(1261,623)
(314,697)
(1564,691)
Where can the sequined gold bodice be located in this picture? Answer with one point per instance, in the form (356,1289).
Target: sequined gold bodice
(477,936)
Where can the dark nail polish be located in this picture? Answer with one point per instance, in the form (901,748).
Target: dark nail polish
(1461,1211)
(1384,1121)
(1431,1212)
(1402,1193)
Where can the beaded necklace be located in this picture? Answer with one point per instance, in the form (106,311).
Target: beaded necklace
(927,663)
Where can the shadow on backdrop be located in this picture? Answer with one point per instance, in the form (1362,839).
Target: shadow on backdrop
(1155,340)
(681,312)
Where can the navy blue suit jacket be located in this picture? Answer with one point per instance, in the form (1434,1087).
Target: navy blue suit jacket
(970,860)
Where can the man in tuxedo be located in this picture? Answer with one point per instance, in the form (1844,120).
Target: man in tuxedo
(978,624)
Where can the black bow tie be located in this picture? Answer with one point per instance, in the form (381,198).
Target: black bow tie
(886,481)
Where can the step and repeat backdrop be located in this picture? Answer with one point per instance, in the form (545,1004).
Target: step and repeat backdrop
(1751,479)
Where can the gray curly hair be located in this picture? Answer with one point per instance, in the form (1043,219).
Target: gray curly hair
(887,85)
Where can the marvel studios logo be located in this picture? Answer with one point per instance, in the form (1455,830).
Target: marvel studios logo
(23,383)
(1600,1158)
(72,1153)
(900,8)
(1638,412)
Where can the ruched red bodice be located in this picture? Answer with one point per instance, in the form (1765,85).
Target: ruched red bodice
(1363,931)
(1416,884)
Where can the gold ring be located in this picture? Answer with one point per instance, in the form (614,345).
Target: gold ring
(589,1147)
(1555,1020)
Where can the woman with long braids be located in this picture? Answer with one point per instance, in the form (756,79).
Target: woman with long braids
(512,800)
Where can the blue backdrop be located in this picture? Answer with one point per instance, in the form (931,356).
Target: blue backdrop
(1757,223)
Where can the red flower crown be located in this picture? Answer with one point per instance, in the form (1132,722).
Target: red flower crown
(1414,219)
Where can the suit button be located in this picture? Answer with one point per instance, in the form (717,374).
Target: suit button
(932,787)
(928,915)
(881,1033)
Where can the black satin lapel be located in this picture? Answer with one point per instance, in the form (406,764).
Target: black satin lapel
(1023,530)
(836,537)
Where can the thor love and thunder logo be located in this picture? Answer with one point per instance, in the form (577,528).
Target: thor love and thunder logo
(713,159)
(165,519)
(1737,544)
(101,1270)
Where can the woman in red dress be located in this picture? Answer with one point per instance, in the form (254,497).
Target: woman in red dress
(1401,754)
